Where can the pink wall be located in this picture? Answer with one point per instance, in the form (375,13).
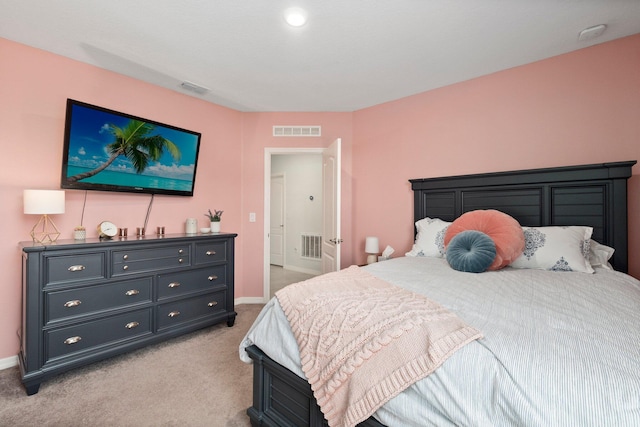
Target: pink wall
(33,91)
(578,108)
(256,136)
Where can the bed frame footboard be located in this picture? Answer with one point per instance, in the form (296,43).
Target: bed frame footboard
(283,399)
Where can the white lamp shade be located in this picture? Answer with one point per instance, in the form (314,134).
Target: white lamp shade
(371,245)
(43,201)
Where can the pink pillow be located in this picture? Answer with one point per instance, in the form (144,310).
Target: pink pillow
(503,229)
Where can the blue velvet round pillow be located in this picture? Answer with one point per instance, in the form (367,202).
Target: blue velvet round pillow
(471,251)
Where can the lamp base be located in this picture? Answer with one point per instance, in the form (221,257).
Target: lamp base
(45,231)
(372,258)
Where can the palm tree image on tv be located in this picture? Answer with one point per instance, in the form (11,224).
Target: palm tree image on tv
(136,142)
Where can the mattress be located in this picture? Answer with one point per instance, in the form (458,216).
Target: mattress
(559,348)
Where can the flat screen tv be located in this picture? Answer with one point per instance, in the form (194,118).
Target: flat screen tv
(111,151)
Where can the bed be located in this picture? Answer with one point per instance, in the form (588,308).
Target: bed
(558,348)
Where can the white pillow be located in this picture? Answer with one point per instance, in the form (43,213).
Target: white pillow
(556,248)
(599,255)
(430,238)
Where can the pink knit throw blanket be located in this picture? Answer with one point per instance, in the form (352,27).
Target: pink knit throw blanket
(362,340)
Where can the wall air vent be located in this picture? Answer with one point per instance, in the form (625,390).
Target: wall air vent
(311,245)
(297,131)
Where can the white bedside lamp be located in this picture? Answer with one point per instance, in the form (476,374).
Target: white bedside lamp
(371,247)
(45,203)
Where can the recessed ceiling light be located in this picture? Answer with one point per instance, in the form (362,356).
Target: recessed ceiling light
(295,16)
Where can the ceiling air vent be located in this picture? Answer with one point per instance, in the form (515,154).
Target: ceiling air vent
(297,131)
(194,87)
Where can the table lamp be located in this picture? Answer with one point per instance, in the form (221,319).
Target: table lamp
(45,203)
(371,247)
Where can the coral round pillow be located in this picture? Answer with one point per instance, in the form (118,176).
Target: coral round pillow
(471,251)
(503,229)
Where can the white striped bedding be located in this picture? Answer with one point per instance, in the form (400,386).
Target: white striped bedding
(560,348)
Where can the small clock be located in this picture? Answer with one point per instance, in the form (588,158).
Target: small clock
(107,230)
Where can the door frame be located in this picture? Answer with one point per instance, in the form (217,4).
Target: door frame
(268,152)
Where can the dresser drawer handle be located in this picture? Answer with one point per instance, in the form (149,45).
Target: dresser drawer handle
(174,284)
(72,303)
(76,268)
(131,325)
(72,340)
(125,267)
(125,257)
(212,278)
(213,303)
(210,253)
(180,260)
(180,251)
(132,292)
(174,314)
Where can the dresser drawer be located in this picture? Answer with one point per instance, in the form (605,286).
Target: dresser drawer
(179,312)
(70,340)
(75,268)
(80,301)
(177,284)
(143,260)
(209,252)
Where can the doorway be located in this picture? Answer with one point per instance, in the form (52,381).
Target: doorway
(330,176)
(293,201)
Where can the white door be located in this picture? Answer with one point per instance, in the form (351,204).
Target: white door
(331,169)
(277,228)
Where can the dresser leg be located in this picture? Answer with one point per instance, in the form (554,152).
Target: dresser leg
(231,319)
(32,388)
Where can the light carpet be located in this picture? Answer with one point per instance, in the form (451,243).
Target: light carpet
(193,380)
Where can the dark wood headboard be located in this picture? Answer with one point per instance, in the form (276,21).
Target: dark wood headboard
(590,195)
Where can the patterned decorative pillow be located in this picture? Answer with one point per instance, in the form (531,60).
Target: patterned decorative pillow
(556,248)
(430,238)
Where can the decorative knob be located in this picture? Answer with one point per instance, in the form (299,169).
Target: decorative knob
(174,313)
(180,251)
(131,325)
(212,304)
(125,267)
(212,278)
(179,260)
(125,257)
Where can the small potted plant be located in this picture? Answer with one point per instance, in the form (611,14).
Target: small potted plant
(214,218)
(79,233)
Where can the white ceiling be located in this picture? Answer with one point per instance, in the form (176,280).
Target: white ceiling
(351,54)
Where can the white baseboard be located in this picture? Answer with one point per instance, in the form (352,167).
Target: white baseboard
(250,300)
(8,362)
